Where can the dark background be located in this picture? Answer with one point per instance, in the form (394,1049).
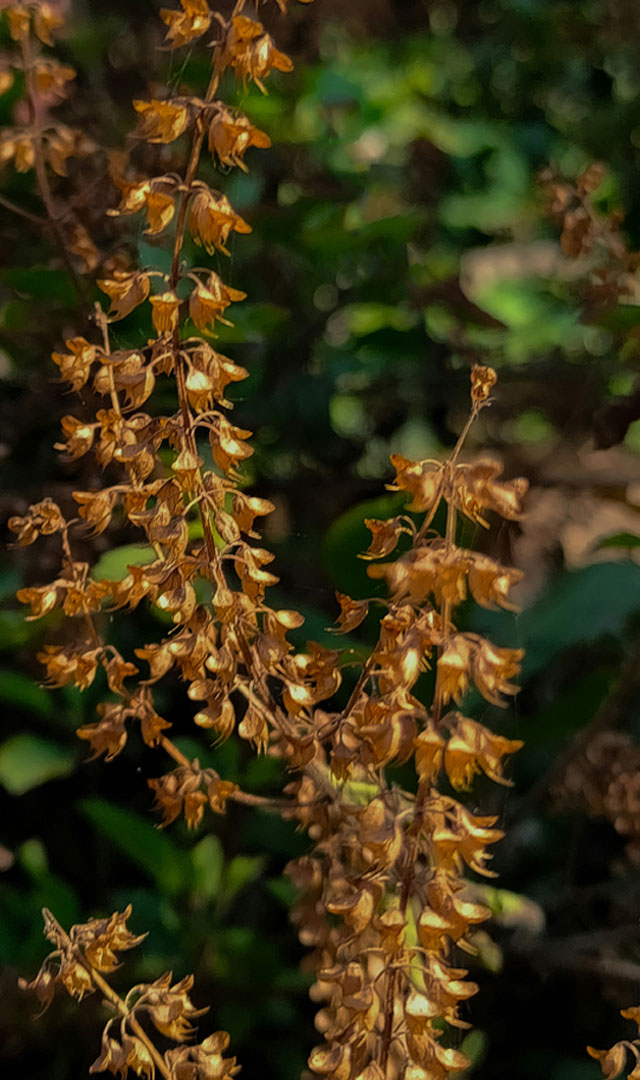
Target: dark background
(401,232)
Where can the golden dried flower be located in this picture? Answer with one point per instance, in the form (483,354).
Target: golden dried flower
(45,20)
(43,519)
(82,246)
(165,312)
(134,196)
(75,366)
(230,136)
(43,986)
(109,735)
(126,291)
(483,379)
(19,22)
(208,302)
(212,219)
(6,79)
(161,121)
(51,77)
(476,488)
(250,51)
(421,479)
(611,1061)
(352,612)
(187,25)
(385,536)
(160,209)
(204,1062)
(80,436)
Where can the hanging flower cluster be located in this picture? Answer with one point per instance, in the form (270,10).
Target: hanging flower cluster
(226,649)
(383,898)
(39,141)
(79,963)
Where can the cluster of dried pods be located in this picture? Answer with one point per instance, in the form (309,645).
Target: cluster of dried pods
(79,962)
(383,900)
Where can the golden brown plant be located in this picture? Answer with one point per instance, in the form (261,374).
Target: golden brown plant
(384,901)
(383,898)
(39,141)
(79,963)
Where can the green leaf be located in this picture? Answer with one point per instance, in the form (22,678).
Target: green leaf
(114,565)
(10,581)
(142,843)
(238,873)
(579,607)
(15,631)
(18,689)
(41,283)
(50,890)
(32,856)
(284,891)
(26,761)
(474,1045)
(511,909)
(207,858)
(620,540)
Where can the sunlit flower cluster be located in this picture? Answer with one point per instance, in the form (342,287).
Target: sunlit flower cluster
(79,963)
(384,899)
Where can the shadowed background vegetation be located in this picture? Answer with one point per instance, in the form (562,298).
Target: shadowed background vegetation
(402,230)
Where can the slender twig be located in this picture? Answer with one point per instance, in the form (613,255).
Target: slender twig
(109,993)
(39,222)
(40,166)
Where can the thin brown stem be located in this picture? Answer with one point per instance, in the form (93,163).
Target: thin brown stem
(38,222)
(40,167)
(109,994)
(419,809)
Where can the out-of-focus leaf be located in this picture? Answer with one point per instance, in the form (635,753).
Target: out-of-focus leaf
(208,864)
(474,1045)
(33,857)
(113,565)
(15,631)
(489,952)
(238,873)
(10,581)
(51,891)
(18,689)
(620,540)
(41,283)
(571,710)
(578,608)
(143,844)
(510,909)
(624,317)
(283,890)
(26,761)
